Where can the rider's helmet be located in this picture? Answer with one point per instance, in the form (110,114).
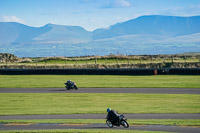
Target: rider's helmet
(108,110)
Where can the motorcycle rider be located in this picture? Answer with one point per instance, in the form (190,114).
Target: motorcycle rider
(69,82)
(112,116)
(70,85)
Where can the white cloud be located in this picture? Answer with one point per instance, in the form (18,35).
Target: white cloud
(117,4)
(12,19)
(86,1)
(192,10)
(121,3)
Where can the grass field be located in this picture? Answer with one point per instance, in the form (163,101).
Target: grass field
(54,103)
(174,122)
(52,81)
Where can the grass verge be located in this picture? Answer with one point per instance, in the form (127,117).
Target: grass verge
(52,81)
(84,103)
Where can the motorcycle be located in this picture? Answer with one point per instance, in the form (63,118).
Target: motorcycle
(71,85)
(122,121)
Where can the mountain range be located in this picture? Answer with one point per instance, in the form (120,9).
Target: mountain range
(153,34)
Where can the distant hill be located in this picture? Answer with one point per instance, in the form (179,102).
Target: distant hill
(168,26)
(11,32)
(190,54)
(64,34)
(153,34)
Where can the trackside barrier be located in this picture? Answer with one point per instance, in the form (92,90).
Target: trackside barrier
(185,71)
(170,71)
(77,71)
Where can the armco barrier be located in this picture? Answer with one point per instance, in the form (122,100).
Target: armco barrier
(171,71)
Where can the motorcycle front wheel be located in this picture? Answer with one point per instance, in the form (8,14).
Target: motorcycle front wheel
(125,124)
(67,88)
(109,123)
(75,87)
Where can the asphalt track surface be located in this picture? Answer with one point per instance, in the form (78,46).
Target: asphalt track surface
(103,90)
(99,126)
(101,116)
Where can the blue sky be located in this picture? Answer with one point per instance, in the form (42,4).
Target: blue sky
(91,14)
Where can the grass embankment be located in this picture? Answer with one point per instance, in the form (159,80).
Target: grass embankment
(172,122)
(52,81)
(54,103)
(102,61)
(82,131)
(112,59)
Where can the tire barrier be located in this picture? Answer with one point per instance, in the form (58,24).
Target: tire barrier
(170,71)
(76,71)
(185,71)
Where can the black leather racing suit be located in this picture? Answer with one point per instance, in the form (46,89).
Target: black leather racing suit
(113,117)
(69,83)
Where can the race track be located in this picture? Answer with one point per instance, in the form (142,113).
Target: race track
(103,90)
(99,126)
(101,116)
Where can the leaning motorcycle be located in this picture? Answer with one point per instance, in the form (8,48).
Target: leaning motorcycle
(71,85)
(122,121)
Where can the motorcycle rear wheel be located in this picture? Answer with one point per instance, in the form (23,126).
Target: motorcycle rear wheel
(109,123)
(125,124)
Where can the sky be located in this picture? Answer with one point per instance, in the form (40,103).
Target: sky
(91,14)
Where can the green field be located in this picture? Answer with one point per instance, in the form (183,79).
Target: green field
(84,103)
(84,81)
(92,103)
